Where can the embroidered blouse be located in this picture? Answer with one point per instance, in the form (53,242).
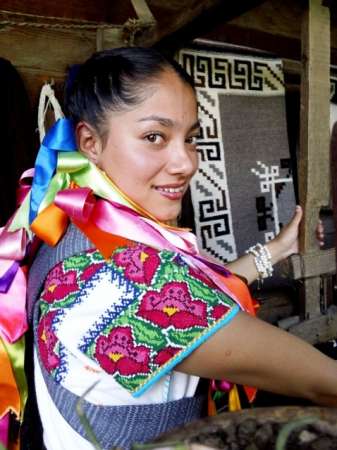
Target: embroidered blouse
(127,323)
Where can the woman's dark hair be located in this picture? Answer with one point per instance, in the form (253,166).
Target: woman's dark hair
(113,80)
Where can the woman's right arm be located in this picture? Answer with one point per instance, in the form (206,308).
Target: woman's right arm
(252,352)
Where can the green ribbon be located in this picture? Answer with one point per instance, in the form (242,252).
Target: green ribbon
(71,166)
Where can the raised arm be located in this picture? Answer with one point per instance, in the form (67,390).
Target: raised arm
(283,245)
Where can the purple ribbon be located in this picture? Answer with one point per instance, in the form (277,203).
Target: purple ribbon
(7,278)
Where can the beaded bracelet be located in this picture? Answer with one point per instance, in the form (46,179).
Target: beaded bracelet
(262,260)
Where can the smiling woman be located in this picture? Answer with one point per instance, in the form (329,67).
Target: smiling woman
(124,306)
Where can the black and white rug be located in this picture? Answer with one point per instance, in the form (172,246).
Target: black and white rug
(243,190)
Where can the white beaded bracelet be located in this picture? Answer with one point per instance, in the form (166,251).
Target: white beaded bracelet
(262,260)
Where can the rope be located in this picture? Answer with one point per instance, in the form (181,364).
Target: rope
(79,24)
(47,98)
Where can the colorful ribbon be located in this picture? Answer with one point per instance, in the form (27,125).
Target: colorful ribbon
(4,430)
(9,393)
(61,137)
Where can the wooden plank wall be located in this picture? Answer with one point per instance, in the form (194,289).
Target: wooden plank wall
(41,55)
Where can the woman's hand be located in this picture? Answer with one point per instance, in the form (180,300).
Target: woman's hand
(320,233)
(283,245)
(286,242)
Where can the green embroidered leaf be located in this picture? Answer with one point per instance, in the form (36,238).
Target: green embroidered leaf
(133,383)
(167,272)
(44,308)
(69,300)
(145,333)
(167,255)
(78,262)
(184,337)
(205,293)
(97,256)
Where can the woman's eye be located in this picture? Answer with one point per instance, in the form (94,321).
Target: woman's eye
(192,140)
(154,138)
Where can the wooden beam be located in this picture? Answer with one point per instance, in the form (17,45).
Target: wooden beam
(312,264)
(318,329)
(197,21)
(46,49)
(314,174)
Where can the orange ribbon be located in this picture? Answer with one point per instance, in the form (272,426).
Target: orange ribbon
(50,224)
(9,393)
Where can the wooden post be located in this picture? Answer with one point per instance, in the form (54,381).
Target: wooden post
(314,176)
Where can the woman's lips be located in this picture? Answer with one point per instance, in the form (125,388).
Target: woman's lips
(171,192)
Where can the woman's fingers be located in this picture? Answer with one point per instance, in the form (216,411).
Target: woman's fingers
(320,233)
(297,217)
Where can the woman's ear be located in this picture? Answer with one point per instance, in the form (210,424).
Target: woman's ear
(88,141)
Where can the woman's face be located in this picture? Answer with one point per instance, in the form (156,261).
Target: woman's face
(150,151)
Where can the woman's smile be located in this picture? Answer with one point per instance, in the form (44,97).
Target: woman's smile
(172,192)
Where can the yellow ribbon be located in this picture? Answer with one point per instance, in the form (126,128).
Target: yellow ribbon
(234,403)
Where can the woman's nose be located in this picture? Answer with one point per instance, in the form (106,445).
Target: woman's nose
(183,159)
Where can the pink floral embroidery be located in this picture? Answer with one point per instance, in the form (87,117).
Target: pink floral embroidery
(59,284)
(117,353)
(90,271)
(219,311)
(165,355)
(173,306)
(140,263)
(47,341)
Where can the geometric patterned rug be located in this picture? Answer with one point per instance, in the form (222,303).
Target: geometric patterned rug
(243,190)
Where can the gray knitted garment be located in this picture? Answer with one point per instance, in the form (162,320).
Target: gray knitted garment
(114,426)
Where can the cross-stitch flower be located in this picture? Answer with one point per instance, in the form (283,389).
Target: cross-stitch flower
(219,311)
(165,355)
(140,263)
(59,284)
(173,305)
(117,353)
(90,271)
(47,341)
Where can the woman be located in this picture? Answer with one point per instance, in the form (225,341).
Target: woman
(126,311)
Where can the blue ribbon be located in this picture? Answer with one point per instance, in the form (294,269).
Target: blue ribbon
(61,137)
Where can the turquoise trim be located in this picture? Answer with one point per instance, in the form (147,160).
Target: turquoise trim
(187,351)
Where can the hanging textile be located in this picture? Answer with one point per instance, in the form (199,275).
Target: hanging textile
(243,191)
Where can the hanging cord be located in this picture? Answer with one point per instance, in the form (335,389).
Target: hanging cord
(47,98)
(13,18)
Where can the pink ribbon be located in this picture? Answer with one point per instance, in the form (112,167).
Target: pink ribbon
(13,245)
(221,385)
(23,188)
(13,321)
(77,203)
(4,428)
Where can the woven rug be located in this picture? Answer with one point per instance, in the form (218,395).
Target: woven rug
(243,191)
